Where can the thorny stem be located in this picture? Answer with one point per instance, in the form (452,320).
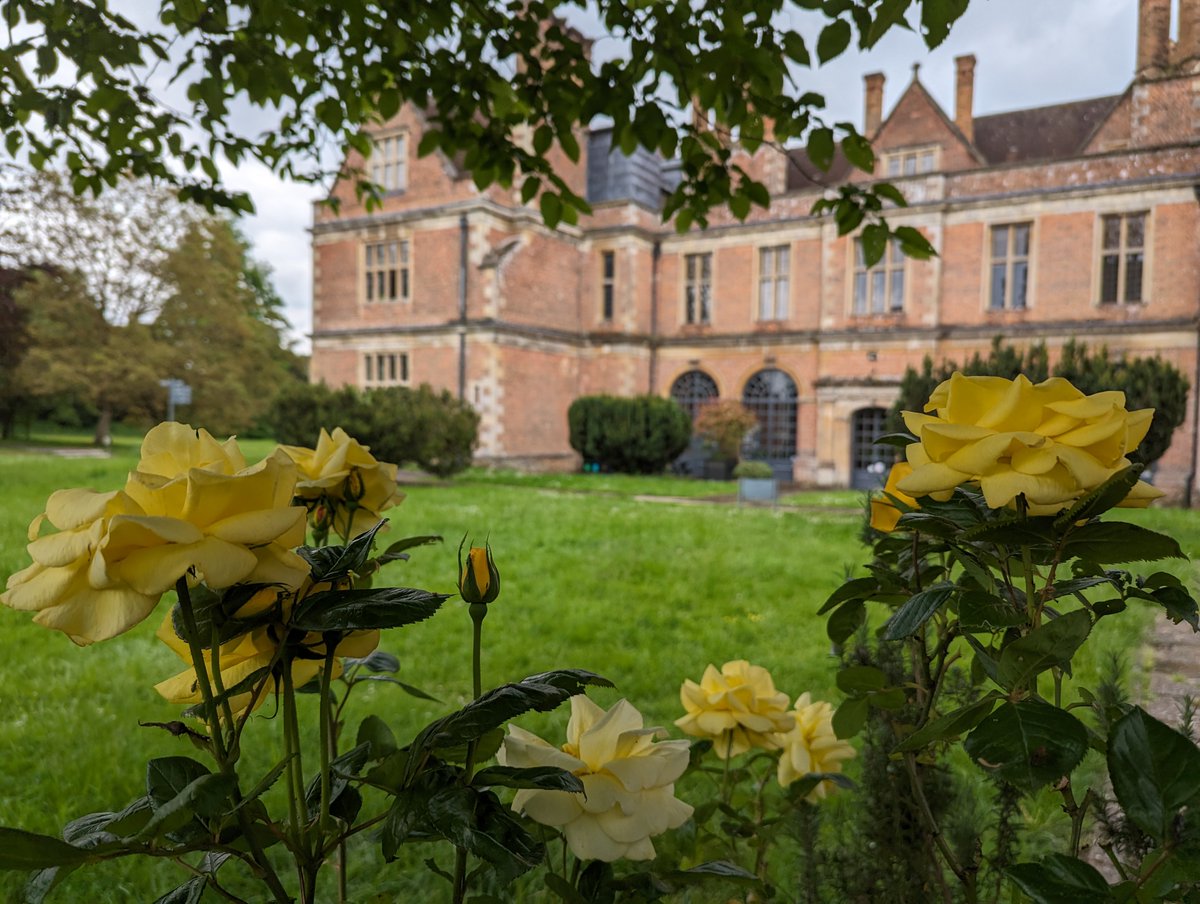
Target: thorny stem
(265,870)
(291,732)
(965,876)
(1077,812)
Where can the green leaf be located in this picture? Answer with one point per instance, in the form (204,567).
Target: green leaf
(1115,542)
(1104,497)
(739,206)
(479,823)
(874,240)
(546,778)
(979,611)
(1051,644)
(1155,771)
(834,39)
(342,768)
(551,207)
(245,686)
(29,851)
(264,783)
(378,661)
(409,689)
(167,776)
(332,563)
(920,607)
(859,679)
(1060,879)
(889,192)
(204,797)
(820,147)
(845,621)
(190,892)
(378,737)
(850,717)
(360,610)
(795,49)
(855,589)
(1180,605)
(858,151)
(951,725)
(396,550)
(1030,744)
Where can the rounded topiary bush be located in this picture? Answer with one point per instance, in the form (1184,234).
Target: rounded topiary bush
(638,435)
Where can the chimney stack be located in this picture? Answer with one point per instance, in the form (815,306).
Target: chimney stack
(873,103)
(1187,48)
(1154,36)
(964,95)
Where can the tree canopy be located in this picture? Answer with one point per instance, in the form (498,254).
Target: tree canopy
(504,81)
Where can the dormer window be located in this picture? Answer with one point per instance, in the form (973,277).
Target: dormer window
(911,161)
(389,161)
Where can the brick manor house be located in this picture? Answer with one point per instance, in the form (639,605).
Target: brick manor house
(1075,220)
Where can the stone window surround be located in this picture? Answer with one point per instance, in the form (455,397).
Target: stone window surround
(852,268)
(404,268)
(397,362)
(777,316)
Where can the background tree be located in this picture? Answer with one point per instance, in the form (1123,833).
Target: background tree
(505,81)
(14,343)
(1146,382)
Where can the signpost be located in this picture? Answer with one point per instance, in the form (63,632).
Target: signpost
(178,393)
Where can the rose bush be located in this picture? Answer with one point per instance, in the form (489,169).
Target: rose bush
(1047,443)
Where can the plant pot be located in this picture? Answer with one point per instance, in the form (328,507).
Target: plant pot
(758,489)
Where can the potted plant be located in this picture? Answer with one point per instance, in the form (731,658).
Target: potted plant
(724,425)
(756,482)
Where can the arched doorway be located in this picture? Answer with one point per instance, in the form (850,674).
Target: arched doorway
(869,463)
(692,390)
(771,395)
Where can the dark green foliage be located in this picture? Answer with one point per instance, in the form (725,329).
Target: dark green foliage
(639,435)
(1146,382)
(428,428)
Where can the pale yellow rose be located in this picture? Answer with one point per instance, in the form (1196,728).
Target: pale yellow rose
(812,747)
(628,781)
(1049,443)
(738,707)
(884,514)
(343,473)
(57,585)
(172,449)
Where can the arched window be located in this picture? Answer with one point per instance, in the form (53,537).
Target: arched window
(692,390)
(771,395)
(869,463)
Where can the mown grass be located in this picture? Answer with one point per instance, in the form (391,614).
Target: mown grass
(644,593)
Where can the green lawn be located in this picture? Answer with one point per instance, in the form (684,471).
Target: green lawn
(645,594)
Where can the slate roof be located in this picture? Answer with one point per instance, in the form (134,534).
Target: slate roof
(1043,133)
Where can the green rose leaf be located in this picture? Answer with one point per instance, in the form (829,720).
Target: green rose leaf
(375,734)
(1104,497)
(397,551)
(331,563)
(361,610)
(378,661)
(920,607)
(950,725)
(1060,880)
(1155,771)
(342,768)
(1029,744)
(545,778)
(204,797)
(29,851)
(979,611)
(1115,542)
(859,679)
(845,621)
(1052,644)
(850,717)
(855,589)
(167,776)
(478,822)
(190,892)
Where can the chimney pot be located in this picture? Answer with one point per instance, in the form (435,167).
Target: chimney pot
(964,95)
(1154,36)
(873,103)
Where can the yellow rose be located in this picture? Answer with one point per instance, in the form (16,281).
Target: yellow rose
(172,449)
(58,584)
(738,707)
(343,471)
(628,781)
(1049,442)
(230,528)
(812,747)
(884,514)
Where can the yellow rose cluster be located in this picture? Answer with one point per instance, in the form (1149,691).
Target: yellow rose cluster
(192,507)
(342,484)
(1048,442)
(739,709)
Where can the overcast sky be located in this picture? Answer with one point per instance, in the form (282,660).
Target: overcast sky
(1030,53)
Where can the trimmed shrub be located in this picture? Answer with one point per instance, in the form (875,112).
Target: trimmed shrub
(639,435)
(433,430)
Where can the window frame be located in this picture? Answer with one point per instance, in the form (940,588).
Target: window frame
(893,265)
(396,364)
(1122,253)
(387,280)
(894,163)
(1010,262)
(698,274)
(388,168)
(608,285)
(774,270)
